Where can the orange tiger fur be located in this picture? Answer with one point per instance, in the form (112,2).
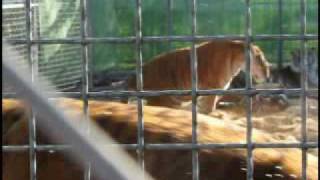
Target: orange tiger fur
(218,63)
(162,125)
(12,111)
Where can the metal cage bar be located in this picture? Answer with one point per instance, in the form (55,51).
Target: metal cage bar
(172,146)
(248,81)
(85,74)
(194,88)
(114,93)
(138,39)
(132,39)
(139,82)
(32,120)
(304,87)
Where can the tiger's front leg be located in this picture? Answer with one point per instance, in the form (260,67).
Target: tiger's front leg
(207,104)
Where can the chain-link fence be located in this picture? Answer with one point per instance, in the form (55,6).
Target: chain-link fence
(59,63)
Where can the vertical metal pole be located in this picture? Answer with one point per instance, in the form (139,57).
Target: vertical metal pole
(85,73)
(280,42)
(248,87)
(170,23)
(32,120)
(90,46)
(304,86)
(139,77)
(194,82)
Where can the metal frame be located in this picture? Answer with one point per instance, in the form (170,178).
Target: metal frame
(138,39)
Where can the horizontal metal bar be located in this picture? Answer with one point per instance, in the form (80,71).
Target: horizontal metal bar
(251,92)
(56,147)
(230,37)
(17,5)
(229,146)
(121,93)
(287,145)
(49,95)
(171,146)
(132,39)
(51,147)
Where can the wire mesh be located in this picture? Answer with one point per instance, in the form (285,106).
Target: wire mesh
(60,63)
(57,68)
(138,39)
(107,162)
(14,26)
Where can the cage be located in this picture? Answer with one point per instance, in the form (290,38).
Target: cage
(88,50)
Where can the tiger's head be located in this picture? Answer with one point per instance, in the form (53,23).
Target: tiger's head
(260,65)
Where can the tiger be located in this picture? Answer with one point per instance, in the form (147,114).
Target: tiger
(218,63)
(161,125)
